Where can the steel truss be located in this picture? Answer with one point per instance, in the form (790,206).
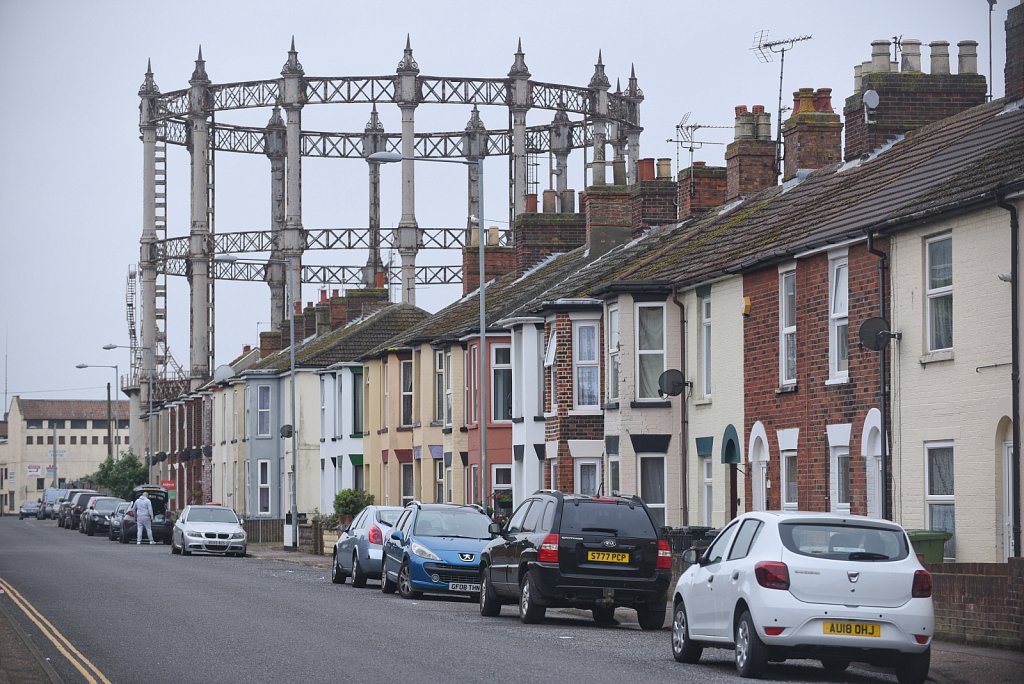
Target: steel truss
(348,276)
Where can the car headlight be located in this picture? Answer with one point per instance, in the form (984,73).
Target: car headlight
(423,552)
(238,535)
(194,533)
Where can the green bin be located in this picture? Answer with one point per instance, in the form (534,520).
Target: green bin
(929,544)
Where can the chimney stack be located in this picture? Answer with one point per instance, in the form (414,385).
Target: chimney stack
(1014,70)
(653,200)
(750,158)
(701,188)
(535,237)
(270,342)
(497,260)
(908,98)
(813,134)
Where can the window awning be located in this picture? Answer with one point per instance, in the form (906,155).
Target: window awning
(731,446)
(403,455)
(705,446)
(357,459)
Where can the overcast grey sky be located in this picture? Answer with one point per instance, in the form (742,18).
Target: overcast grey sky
(71,168)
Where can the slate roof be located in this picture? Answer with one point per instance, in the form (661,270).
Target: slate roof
(71,409)
(350,342)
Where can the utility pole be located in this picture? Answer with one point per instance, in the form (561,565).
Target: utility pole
(110,426)
(53,452)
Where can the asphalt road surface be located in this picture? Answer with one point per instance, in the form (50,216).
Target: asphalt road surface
(102,611)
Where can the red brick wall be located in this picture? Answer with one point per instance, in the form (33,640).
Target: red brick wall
(813,405)
(537,236)
(497,262)
(1013,72)
(907,101)
(813,134)
(979,603)
(607,205)
(750,167)
(707,191)
(653,203)
(270,342)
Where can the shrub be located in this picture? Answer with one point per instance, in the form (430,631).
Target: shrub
(351,501)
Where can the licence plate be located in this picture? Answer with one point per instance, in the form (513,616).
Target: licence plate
(860,629)
(608,556)
(463,586)
(216,543)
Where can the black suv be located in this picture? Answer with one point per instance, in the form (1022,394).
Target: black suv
(79,501)
(571,550)
(96,518)
(64,510)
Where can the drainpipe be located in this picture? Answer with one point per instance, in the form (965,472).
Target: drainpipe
(883,387)
(1015,368)
(683,415)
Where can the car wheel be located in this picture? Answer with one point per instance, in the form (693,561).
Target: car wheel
(337,576)
(913,667)
(490,606)
(358,576)
(405,589)
(604,615)
(184,548)
(90,530)
(386,585)
(751,653)
(124,536)
(683,650)
(174,549)
(530,612)
(651,618)
(835,664)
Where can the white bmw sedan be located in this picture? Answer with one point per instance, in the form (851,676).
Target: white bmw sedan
(208,529)
(776,585)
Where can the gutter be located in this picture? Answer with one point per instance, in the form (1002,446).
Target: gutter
(1015,366)
(883,387)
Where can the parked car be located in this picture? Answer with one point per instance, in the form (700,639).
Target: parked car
(163,522)
(28,509)
(114,528)
(360,547)
(64,511)
(97,514)
(208,529)
(51,495)
(435,548)
(85,511)
(777,585)
(596,553)
(78,503)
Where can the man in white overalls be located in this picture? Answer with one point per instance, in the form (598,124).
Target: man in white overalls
(143,517)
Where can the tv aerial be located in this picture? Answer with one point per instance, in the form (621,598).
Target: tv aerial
(765,49)
(685,138)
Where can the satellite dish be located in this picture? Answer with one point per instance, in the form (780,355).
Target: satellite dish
(671,383)
(874,333)
(223,372)
(870,99)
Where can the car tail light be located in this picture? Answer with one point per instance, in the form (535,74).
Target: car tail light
(772,575)
(548,551)
(664,555)
(921,638)
(376,536)
(922,584)
(774,631)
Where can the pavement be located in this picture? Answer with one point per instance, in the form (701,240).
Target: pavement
(952,663)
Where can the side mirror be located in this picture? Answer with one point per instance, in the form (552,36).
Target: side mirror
(495,529)
(690,556)
(342,528)
(397,536)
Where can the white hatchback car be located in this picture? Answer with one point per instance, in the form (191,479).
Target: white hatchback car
(776,585)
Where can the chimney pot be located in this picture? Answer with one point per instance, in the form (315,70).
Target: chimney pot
(699,163)
(967,58)
(880,56)
(246,349)
(550,201)
(334,293)
(757,109)
(618,171)
(664,167)
(645,169)
(298,308)
(911,55)
(823,100)
(323,296)
(531,202)
(940,57)
(856,79)
(741,109)
(568,201)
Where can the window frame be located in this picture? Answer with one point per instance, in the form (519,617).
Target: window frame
(263,485)
(641,353)
(836,455)
(934,293)
(263,412)
(358,414)
(705,346)
(495,369)
(943,500)
(439,386)
(404,496)
(323,407)
(448,396)
(407,389)
(612,386)
(787,333)
(707,489)
(590,365)
(551,379)
(838,320)
(661,506)
(785,503)
(577,468)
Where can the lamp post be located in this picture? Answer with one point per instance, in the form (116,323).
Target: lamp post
(110,433)
(149,399)
(391,157)
(232,259)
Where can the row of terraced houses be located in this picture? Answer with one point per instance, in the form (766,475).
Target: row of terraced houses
(845,340)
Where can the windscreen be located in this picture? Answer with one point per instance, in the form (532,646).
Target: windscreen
(468,523)
(611,517)
(106,505)
(844,542)
(388,517)
(212,515)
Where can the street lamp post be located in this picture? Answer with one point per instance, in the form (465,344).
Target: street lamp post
(391,157)
(231,258)
(110,431)
(149,399)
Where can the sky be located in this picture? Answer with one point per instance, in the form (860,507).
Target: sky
(71,165)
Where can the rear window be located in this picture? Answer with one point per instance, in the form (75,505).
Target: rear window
(388,517)
(106,505)
(616,518)
(844,542)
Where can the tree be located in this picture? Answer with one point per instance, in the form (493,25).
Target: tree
(120,476)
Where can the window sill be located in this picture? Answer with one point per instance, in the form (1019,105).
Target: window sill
(936,356)
(356,435)
(787,389)
(234,441)
(706,401)
(550,415)
(446,431)
(650,404)
(334,439)
(611,406)
(404,428)
(540,419)
(518,419)
(463,429)
(322,440)
(586,412)
(436,423)
(837,381)
(382,431)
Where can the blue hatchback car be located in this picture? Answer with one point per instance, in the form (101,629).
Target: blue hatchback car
(435,548)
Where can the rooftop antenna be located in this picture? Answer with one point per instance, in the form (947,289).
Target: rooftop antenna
(991,6)
(897,48)
(684,138)
(765,48)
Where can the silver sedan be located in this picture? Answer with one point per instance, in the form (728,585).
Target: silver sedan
(208,529)
(359,549)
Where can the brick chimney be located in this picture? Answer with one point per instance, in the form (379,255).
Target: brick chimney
(813,133)
(750,158)
(609,216)
(271,341)
(653,200)
(497,260)
(339,308)
(908,98)
(364,302)
(701,188)
(1014,70)
(308,319)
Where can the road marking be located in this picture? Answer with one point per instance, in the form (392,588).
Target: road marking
(91,673)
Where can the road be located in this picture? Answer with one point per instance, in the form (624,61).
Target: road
(137,613)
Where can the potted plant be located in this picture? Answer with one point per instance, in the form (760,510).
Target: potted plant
(348,502)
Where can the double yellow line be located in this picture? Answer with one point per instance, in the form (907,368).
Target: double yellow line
(90,672)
